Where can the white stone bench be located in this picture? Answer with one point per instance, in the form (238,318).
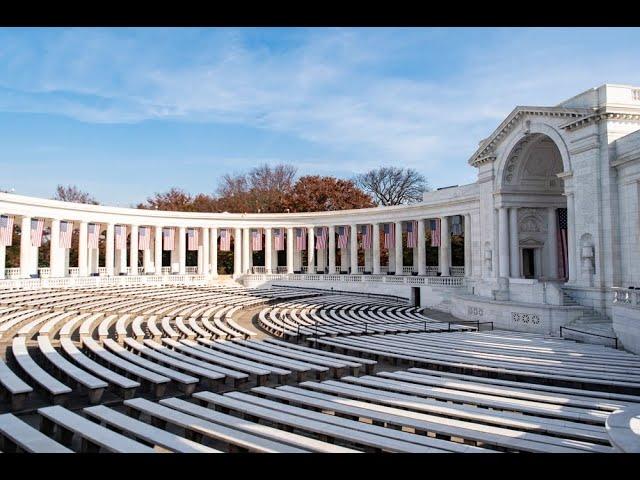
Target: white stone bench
(70,325)
(184,329)
(200,332)
(126,386)
(94,386)
(105,325)
(199,427)
(186,383)
(155,381)
(19,436)
(56,390)
(94,437)
(145,432)
(15,388)
(168,329)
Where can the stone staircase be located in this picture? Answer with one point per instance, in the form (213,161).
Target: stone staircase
(593,326)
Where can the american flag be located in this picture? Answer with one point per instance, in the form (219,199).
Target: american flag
(6,231)
(412,234)
(168,238)
(279,238)
(192,239)
(301,239)
(66,231)
(456,225)
(389,235)
(256,240)
(121,237)
(225,240)
(343,237)
(144,238)
(321,237)
(563,255)
(365,230)
(37,227)
(434,226)
(94,235)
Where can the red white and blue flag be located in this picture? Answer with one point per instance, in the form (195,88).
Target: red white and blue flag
(121,237)
(256,240)
(225,240)
(37,227)
(412,234)
(457,225)
(93,230)
(343,237)
(6,231)
(144,238)
(301,239)
(168,238)
(321,237)
(278,235)
(389,235)
(563,250)
(365,231)
(192,239)
(66,231)
(434,226)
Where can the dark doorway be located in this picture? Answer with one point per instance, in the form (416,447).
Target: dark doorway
(528,263)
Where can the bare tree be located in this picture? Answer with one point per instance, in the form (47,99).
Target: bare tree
(71,193)
(393,185)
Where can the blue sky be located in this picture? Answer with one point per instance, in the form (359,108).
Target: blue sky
(124,112)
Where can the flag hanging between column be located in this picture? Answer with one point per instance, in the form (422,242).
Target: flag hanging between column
(321,238)
(225,240)
(456,225)
(412,234)
(121,237)
(37,227)
(168,238)
(66,231)
(365,231)
(256,240)
(278,235)
(563,250)
(144,238)
(6,231)
(434,226)
(192,239)
(343,237)
(301,239)
(93,231)
(389,235)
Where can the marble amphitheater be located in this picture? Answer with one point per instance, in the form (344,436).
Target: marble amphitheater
(527,342)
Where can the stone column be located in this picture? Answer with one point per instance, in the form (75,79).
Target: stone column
(445,247)
(268,264)
(147,258)
(332,249)
(246,250)
(552,243)
(213,251)
(157,251)
(468,271)
(398,248)
(203,263)
(353,248)
(56,254)
(311,250)
(503,242)
(83,263)
(375,246)
(514,245)
(422,249)
(133,250)
(289,249)
(182,250)
(109,257)
(571,238)
(25,248)
(3,261)
(237,252)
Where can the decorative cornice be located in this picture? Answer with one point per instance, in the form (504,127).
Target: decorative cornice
(483,153)
(625,116)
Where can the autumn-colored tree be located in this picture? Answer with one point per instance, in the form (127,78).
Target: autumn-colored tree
(173,200)
(314,193)
(71,193)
